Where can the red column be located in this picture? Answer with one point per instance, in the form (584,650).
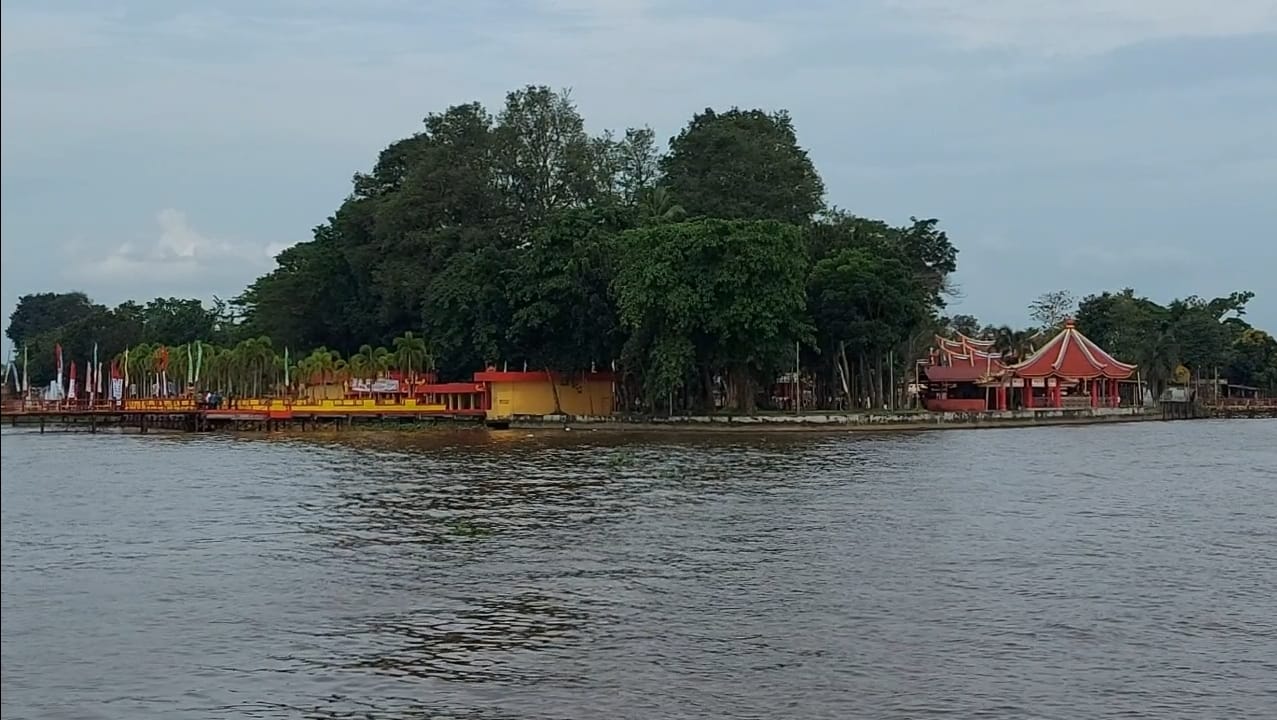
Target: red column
(1028,393)
(1116,398)
(1095,393)
(1002,397)
(1057,394)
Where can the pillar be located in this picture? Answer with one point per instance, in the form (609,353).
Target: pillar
(1001,396)
(1116,399)
(1095,393)
(1057,394)
(1028,394)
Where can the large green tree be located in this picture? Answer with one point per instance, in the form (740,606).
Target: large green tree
(743,164)
(711,297)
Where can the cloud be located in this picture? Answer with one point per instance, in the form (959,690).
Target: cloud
(1082,27)
(178,255)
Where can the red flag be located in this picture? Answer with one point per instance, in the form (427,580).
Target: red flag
(115,370)
(71,388)
(57,353)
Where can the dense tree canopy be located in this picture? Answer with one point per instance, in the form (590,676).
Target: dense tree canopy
(517,238)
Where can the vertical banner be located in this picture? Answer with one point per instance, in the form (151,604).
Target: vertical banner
(57,355)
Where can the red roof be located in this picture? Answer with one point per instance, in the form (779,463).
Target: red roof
(1070,354)
(963,353)
(961,373)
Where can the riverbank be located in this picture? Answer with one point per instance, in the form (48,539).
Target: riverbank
(861,421)
(813,422)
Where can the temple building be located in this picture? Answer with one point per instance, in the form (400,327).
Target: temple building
(1070,371)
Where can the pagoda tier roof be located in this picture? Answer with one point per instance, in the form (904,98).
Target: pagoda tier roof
(1070,354)
(980,344)
(966,346)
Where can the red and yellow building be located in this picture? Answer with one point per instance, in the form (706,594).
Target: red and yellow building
(493,395)
(1070,371)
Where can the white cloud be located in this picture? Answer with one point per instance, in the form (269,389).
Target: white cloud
(178,253)
(1082,27)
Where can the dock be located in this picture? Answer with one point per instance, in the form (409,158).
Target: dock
(185,415)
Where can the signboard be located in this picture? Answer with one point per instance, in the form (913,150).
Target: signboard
(380,385)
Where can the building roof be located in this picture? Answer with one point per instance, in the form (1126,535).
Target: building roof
(979,344)
(960,373)
(1070,354)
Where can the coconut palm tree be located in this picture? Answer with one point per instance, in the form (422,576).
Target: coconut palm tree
(411,354)
(657,206)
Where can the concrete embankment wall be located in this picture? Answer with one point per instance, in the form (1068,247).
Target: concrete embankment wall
(850,421)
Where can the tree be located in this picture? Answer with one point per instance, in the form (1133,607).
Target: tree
(545,158)
(564,317)
(411,354)
(44,312)
(1050,310)
(638,164)
(866,304)
(1254,360)
(678,289)
(968,325)
(742,164)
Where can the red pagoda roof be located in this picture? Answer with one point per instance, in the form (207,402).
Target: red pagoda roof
(1070,354)
(971,353)
(961,373)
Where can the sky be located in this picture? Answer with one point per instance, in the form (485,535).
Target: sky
(162,147)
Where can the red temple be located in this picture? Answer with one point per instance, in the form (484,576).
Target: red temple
(966,375)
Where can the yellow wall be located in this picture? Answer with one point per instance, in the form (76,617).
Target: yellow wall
(593,397)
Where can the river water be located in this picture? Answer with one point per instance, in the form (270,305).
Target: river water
(1076,572)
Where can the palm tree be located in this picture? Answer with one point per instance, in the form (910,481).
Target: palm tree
(381,361)
(412,354)
(657,206)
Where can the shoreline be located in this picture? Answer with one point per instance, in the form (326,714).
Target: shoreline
(813,423)
(841,422)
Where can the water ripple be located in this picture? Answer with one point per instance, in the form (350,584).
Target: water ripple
(1103,572)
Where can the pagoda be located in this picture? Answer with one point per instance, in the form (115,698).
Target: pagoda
(964,371)
(960,372)
(1069,360)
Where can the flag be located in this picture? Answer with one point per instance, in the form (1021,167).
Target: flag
(117,380)
(199,359)
(162,366)
(190,365)
(126,366)
(286,385)
(26,380)
(88,381)
(57,354)
(71,384)
(95,385)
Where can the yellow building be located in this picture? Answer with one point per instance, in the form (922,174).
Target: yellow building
(514,394)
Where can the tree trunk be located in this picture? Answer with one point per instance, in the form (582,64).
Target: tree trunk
(879,395)
(863,390)
(743,381)
(843,371)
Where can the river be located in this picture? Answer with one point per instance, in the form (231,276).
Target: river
(1071,572)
